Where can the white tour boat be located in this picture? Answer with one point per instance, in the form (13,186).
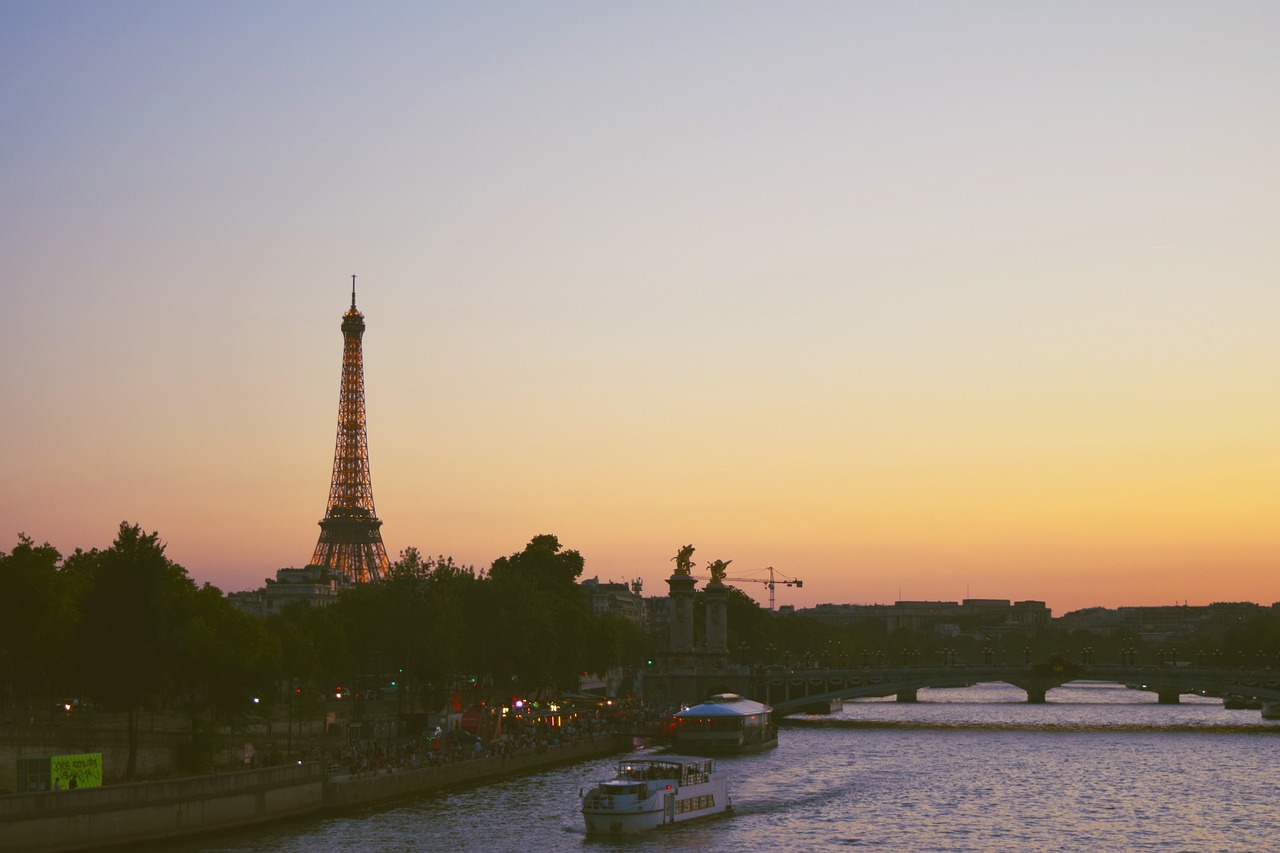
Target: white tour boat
(656,791)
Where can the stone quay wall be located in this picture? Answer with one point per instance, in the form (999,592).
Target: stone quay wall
(123,814)
(60,821)
(157,751)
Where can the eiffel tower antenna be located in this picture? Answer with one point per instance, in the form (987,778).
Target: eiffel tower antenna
(350,540)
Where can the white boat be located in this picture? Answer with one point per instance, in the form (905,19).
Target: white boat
(726,723)
(656,791)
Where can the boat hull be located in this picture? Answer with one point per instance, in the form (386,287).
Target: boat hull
(695,747)
(650,793)
(615,822)
(619,823)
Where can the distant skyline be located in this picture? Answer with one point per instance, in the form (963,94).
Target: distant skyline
(909,301)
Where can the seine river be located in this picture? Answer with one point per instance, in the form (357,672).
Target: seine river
(1098,768)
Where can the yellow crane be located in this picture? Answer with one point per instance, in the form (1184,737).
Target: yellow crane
(771,581)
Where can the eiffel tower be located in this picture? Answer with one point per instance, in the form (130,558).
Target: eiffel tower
(349,539)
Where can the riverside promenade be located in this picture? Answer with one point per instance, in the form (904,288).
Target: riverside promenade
(118,815)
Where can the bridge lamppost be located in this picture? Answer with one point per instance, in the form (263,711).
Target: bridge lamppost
(1026,654)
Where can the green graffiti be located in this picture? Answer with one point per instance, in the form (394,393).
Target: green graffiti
(76,771)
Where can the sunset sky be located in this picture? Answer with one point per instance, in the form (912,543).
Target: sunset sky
(914,300)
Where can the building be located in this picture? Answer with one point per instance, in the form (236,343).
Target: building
(620,599)
(1162,623)
(318,586)
(842,616)
(984,614)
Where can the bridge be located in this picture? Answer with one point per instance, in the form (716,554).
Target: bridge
(794,691)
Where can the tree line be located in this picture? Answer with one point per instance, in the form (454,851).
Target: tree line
(128,630)
(125,629)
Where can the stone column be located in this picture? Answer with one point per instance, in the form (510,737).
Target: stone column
(681,637)
(717,618)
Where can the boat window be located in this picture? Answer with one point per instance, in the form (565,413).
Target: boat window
(694,774)
(648,771)
(616,790)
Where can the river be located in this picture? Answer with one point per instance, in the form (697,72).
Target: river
(1097,768)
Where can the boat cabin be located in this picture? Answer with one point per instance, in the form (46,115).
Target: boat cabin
(726,722)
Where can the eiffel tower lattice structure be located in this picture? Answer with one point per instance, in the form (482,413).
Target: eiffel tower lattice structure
(350,541)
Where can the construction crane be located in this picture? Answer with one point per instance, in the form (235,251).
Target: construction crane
(774,579)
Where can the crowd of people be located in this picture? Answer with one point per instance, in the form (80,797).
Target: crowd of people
(515,735)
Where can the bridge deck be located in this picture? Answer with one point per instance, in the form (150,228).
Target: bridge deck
(790,691)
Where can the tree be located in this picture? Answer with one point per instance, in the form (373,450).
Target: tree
(224,659)
(613,641)
(803,640)
(411,628)
(131,624)
(35,615)
(537,617)
(313,645)
(542,565)
(434,630)
(751,627)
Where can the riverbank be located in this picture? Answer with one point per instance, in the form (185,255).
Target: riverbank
(354,791)
(117,815)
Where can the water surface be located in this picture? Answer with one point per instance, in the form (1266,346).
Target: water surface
(1097,768)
